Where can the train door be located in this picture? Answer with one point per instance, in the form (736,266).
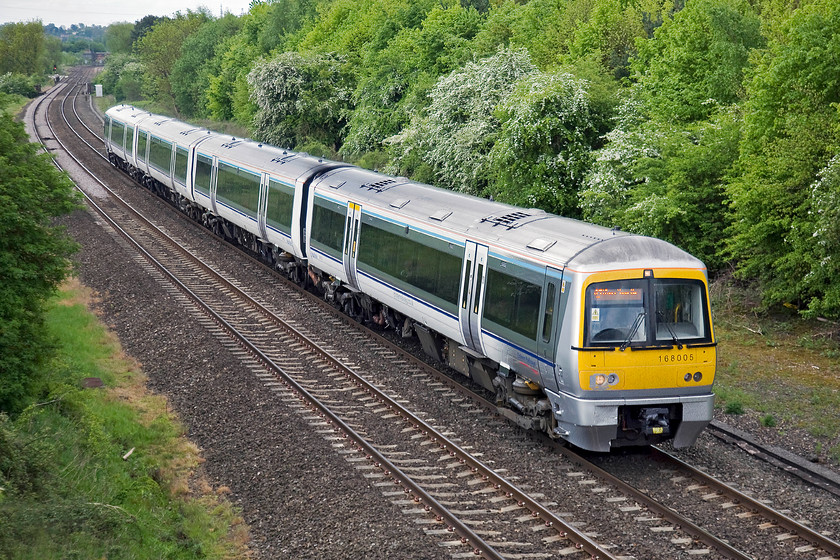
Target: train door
(351,242)
(214,175)
(473,281)
(550,323)
(261,206)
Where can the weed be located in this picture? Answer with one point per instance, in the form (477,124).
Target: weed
(734,407)
(768,421)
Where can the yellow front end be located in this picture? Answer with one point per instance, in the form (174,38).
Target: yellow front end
(646,369)
(646,359)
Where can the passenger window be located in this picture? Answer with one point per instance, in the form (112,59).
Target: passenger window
(477,288)
(548,317)
(466,287)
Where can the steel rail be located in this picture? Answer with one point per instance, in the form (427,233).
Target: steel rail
(581,541)
(806,533)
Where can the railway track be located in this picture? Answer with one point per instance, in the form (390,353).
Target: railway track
(434,457)
(394,446)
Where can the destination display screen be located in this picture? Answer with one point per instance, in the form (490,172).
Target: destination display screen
(627,296)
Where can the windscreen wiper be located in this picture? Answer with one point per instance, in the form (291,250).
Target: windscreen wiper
(636,324)
(670,330)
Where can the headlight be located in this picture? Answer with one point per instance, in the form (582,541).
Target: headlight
(603,380)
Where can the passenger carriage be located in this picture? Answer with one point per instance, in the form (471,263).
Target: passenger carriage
(593,335)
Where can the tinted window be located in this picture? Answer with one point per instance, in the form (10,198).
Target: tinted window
(160,154)
(281,199)
(203,173)
(328,226)
(181,155)
(680,310)
(511,301)
(118,134)
(623,311)
(142,140)
(411,260)
(129,139)
(238,188)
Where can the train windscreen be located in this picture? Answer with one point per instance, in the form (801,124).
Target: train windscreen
(646,312)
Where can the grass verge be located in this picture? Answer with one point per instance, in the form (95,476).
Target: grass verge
(780,367)
(69,488)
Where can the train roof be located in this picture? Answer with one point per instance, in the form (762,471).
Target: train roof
(127,114)
(277,162)
(553,239)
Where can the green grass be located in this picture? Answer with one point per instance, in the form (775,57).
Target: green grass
(781,367)
(65,489)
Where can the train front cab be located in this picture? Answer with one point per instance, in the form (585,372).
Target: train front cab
(642,361)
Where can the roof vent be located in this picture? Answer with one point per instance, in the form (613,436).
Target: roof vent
(399,203)
(379,186)
(507,220)
(541,244)
(441,215)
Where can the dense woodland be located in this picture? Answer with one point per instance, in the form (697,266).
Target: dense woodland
(710,123)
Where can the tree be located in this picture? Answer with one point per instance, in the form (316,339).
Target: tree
(118,38)
(695,62)
(33,259)
(123,77)
(301,98)
(190,79)
(395,79)
(160,48)
(22,48)
(456,134)
(791,133)
(818,239)
(543,149)
(228,96)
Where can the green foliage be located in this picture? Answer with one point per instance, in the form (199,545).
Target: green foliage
(542,27)
(17,84)
(123,77)
(695,61)
(667,161)
(666,181)
(790,136)
(160,48)
(301,97)
(66,492)
(190,79)
(455,136)
(229,95)
(610,30)
(817,240)
(768,421)
(542,150)
(734,407)
(118,38)
(22,48)
(33,259)
(395,80)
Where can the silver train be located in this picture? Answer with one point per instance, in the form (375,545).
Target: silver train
(593,335)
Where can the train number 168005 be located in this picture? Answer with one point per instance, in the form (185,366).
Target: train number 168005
(676,358)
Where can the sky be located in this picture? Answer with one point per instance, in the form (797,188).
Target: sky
(106,12)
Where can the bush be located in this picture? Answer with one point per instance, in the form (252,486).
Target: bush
(33,260)
(17,84)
